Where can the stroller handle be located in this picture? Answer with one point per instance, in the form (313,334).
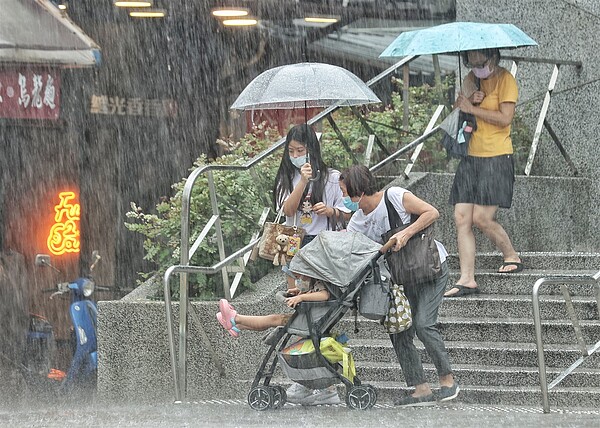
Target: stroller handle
(388,246)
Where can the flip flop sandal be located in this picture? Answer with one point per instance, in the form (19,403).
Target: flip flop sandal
(463,291)
(519,267)
(228,312)
(233,331)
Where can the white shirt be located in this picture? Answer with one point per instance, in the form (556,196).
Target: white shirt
(376,223)
(332,197)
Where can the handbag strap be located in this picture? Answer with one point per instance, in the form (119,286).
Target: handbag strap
(393,216)
(280,214)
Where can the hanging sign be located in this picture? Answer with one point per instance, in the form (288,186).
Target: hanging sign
(64,233)
(29,93)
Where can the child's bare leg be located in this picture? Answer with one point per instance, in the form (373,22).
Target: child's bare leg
(260,322)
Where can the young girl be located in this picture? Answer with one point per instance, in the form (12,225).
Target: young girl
(307,290)
(305,187)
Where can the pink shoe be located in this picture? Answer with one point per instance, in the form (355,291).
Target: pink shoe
(228,312)
(233,331)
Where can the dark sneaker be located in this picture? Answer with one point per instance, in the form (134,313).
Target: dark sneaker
(410,401)
(448,393)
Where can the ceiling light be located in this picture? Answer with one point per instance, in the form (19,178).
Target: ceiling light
(62,6)
(242,22)
(322,19)
(132,3)
(150,13)
(229,12)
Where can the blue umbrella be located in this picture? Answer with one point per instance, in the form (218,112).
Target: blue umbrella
(457,37)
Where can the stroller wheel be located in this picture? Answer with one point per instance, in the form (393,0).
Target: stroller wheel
(372,394)
(260,398)
(361,397)
(279,396)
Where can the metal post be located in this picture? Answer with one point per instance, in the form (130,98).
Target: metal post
(215,209)
(541,118)
(540,344)
(405,86)
(417,151)
(169,314)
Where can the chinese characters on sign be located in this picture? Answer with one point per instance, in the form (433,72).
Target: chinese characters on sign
(64,234)
(29,94)
(119,106)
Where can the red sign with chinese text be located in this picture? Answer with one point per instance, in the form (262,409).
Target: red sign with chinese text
(29,93)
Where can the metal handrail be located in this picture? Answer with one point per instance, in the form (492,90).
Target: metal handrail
(186,254)
(585,351)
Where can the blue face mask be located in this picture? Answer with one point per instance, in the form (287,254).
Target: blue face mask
(350,204)
(299,161)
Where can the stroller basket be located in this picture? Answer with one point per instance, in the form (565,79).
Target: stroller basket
(307,370)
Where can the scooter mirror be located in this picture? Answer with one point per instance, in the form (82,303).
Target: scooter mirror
(42,260)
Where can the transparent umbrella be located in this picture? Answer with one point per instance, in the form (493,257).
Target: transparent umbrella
(307,84)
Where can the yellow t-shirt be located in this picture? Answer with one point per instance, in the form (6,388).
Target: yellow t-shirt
(492,140)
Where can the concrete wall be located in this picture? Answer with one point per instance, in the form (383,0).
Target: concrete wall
(134,361)
(564,30)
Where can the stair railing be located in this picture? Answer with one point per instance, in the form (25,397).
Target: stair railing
(242,255)
(586,351)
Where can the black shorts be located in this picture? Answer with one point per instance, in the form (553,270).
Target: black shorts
(484,181)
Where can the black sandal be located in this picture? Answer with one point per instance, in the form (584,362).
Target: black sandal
(463,291)
(519,268)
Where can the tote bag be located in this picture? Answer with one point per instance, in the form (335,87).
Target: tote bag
(267,246)
(419,260)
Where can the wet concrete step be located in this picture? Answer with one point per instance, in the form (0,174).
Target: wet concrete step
(491,282)
(515,330)
(481,329)
(501,395)
(507,354)
(556,261)
(517,306)
(473,374)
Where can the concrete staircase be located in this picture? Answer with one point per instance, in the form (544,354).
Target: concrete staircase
(491,340)
(490,336)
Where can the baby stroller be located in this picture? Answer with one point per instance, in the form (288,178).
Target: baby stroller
(343,261)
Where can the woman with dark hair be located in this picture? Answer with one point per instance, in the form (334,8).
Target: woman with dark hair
(484,179)
(371,219)
(305,187)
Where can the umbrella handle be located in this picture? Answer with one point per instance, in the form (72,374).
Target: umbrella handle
(316,177)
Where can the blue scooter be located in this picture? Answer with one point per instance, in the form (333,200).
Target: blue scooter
(83,312)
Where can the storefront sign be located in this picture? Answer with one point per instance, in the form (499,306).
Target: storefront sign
(29,93)
(64,233)
(119,106)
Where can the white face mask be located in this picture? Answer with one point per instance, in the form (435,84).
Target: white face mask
(483,72)
(299,161)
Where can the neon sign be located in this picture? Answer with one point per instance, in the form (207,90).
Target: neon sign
(64,234)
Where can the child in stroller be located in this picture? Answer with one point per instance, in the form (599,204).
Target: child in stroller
(338,265)
(307,290)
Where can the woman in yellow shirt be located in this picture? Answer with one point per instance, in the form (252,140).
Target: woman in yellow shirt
(484,179)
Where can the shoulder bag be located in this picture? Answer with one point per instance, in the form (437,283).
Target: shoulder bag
(419,260)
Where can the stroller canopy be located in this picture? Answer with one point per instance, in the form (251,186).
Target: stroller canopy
(335,257)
